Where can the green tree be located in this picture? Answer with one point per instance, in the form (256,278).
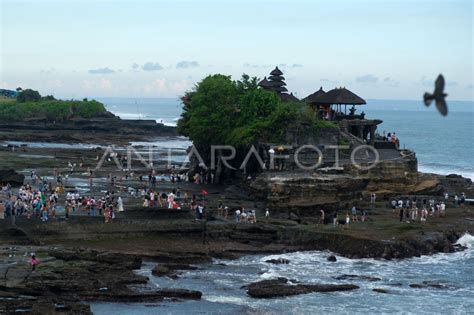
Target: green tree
(28,95)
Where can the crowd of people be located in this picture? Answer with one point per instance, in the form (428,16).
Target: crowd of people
(43,202)
(392,138)
(415,209)
(41,198)
(354,215)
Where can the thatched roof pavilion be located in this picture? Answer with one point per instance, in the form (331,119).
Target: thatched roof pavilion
(340,96)
(312,98)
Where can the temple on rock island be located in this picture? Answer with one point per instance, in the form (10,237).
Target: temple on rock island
(337,105)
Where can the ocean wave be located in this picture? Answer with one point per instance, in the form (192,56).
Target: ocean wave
(166,121)
(444,169)
(466,240)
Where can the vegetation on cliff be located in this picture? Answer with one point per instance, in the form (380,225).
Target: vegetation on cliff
(31,105)
(222,111)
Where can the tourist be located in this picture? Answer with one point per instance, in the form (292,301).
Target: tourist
(364,215)
(400,203)
(354,213)
(226,212)
(462,200)
(33,262)
(394,205)
(348,220)
(237,215)
(424,215)
(243,215)
(372,200)
(267,214)
(442,209)
(414,213)
(446,196)
(400,212)
(120,204)
(200,211)
(321,216)
(456,200)
(170,200)
(220,209)
(335,219)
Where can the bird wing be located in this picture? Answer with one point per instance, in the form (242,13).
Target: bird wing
(427,99)
(439,85)
(442,106)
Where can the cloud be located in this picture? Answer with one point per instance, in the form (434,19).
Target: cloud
(101,71)
(150,66)
(368,78)
(187,64)
(469,86)
(135,66)
(297,65)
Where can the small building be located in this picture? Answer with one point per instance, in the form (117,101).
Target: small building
(332,105)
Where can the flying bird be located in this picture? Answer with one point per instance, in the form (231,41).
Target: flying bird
(438,96)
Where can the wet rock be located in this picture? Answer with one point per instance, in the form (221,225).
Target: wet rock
(357,277)
(278,261)
(428,284)
(281,287)
(379,290)
(162,271)
(332,258)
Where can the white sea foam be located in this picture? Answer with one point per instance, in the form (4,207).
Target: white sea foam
(466,240)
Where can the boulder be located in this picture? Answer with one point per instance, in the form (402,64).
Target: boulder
(332,258)
(281,287)
(278,261)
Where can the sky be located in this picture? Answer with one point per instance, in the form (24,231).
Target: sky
(378,49)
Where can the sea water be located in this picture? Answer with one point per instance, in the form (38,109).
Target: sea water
(222,284)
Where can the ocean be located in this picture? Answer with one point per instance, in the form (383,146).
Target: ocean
(222,282)
(443,145)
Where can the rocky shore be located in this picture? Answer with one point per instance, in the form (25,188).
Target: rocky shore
(105,130)
(83,259)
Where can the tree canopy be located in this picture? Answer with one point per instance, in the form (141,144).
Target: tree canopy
(31,105)
(222,111)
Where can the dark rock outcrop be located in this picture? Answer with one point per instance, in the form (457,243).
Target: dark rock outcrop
(331,258)
(379,290)
(281,287)
(278,261)
(11,177)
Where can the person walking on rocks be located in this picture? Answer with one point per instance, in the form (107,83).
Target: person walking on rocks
(372,200)
(321,216)
(120,204)
(34,262)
